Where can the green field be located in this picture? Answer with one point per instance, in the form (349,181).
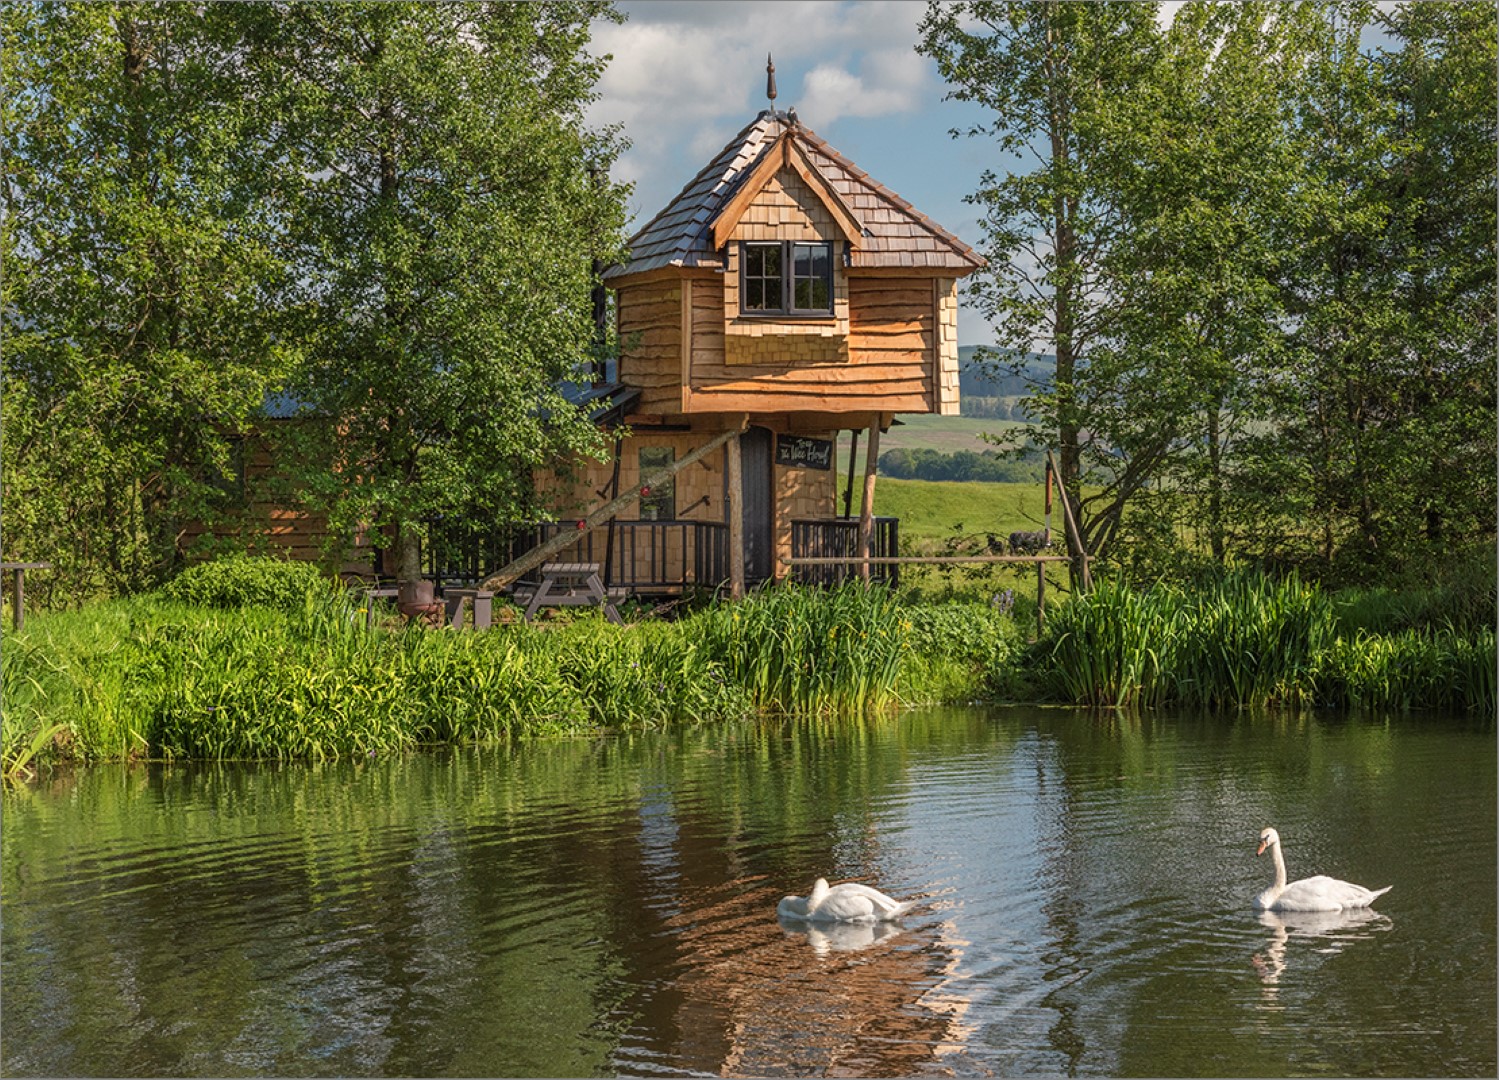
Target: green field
(931,511)
(922,432)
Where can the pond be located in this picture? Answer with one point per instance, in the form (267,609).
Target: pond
(606,906)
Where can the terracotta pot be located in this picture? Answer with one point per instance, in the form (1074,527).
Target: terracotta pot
(416,598)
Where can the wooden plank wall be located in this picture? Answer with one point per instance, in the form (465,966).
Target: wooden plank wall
(270,525)
(891,349)
(649,317)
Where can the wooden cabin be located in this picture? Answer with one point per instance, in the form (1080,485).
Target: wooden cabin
(784,295)
(787,295)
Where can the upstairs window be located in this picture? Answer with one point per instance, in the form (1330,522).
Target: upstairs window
(787,277)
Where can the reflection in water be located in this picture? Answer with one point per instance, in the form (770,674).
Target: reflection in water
(854,1003)
(1332,932)
(839,937)
(604,907)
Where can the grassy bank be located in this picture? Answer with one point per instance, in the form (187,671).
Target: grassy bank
(302,676)
(227,667)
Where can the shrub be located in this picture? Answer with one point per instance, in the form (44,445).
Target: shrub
(242,581)
(957,651)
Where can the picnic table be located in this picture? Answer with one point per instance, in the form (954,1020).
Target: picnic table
(18,588)
(572,585)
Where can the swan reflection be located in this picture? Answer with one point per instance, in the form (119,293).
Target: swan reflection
(828,938)
(1333,930)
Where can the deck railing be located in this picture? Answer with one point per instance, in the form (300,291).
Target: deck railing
(645,556)
(836,538)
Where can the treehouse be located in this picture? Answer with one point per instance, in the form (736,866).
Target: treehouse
(783,297)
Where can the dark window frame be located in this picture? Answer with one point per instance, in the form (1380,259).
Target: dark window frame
(788,279)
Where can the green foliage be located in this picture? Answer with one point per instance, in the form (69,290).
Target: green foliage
(957,651)
(1262,252)
(245,581)
(451,206)
(138,265)
(962,466)
(1248,640)
(810,651)
(1411,669)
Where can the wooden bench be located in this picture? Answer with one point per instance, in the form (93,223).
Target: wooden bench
(572,585)
(480,600)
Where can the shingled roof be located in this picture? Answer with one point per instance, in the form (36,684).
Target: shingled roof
(896,234)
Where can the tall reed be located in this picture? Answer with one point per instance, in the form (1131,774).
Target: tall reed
(1247,639)
(1112,646)
(797,649)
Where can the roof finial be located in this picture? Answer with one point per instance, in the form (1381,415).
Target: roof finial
(770,79)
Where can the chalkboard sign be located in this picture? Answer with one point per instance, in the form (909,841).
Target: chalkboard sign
(801,452)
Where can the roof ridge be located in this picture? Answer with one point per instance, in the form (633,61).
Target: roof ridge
(822,146)
(738,141)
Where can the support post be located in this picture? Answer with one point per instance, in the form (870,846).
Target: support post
(853,458)
(1040,598)
(609,534)
(18,598)
(1074,537)
(734,507)
(1048,498)
(866,508)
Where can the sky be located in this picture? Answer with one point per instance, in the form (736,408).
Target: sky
(687,75)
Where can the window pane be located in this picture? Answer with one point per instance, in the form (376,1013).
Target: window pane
(812,294)
(762,277)
(813,276)
(661,503)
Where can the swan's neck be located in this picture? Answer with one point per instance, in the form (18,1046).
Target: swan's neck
(1280,868)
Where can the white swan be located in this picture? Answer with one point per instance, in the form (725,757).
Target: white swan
(1320,893)
(849,902)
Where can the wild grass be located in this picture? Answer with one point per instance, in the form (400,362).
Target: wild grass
(1247,640)
(807,650)
(152,677)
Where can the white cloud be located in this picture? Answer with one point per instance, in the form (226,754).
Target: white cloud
(891,81)
(686,75)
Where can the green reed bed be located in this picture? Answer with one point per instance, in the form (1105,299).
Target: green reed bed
(1246,640)
(303,677)
(144,678)
(810,650)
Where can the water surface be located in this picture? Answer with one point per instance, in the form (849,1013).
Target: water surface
(606,906)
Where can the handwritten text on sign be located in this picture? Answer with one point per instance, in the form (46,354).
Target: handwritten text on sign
(801,452)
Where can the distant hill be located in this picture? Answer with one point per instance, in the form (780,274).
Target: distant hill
(1039,367)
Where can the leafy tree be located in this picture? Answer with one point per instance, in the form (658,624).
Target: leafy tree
(448,219)
(1208,174)
(1048,71)
(138,261)
(447,224)
(1138,246)
(1384,439)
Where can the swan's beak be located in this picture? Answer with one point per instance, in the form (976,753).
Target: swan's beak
(1261,849)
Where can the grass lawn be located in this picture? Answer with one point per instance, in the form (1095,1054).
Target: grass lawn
(930,509)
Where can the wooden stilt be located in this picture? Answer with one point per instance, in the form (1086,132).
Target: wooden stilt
(609,535)
(853,457)
(1040,598)
(866,508)
(735,512)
